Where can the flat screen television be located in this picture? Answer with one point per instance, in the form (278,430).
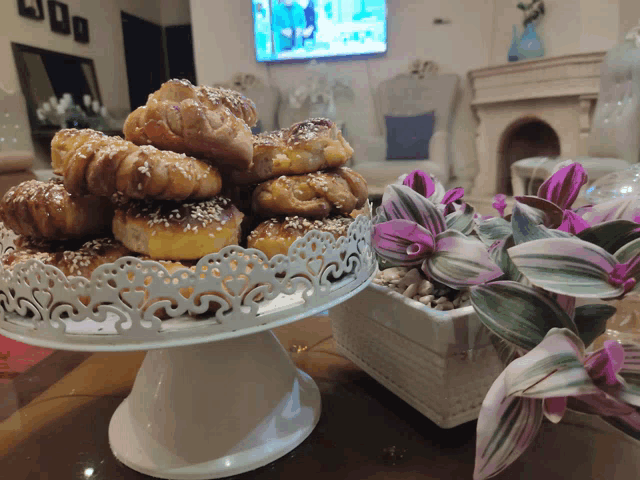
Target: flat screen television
(286,30)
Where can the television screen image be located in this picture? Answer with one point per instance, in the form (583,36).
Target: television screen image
(304,29)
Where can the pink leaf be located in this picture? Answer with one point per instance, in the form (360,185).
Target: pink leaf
(562,187)
(573,223)
(420,182)
(603,366)
(453,195)
(500,203)
(554,408)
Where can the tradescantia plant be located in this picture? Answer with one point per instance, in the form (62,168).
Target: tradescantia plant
(525,271)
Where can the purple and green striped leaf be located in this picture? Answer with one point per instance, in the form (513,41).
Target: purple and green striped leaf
(493,229)
(461,219)
(498,253)
(630,373)
(401,203)
(402,242)
(526,222)
(568,266)
(518,314)
(554,368)
(460,261)
(551,214)
(612,235)
(506,427)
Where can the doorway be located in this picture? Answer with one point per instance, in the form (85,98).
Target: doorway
(145,57)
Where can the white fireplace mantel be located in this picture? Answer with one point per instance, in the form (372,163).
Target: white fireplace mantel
(560,91)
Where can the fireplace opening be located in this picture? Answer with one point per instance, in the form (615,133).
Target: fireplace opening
(524,139)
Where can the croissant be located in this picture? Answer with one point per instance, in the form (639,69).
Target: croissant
(92,162)
(46,210)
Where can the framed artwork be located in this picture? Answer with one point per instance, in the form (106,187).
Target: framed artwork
(31,9)
(59,17)
(80,29)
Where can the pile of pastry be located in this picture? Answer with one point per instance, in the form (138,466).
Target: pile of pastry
(188,179)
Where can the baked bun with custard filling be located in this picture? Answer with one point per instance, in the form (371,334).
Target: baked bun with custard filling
(178,231)
(275,235)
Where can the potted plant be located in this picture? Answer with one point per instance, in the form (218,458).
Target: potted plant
(442,362)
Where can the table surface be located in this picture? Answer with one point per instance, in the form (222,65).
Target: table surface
(54,419)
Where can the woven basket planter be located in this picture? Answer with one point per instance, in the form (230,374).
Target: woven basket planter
(440,362)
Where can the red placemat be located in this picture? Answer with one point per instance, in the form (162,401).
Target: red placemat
(17,357)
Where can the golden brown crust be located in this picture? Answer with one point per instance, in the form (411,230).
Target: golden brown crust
(92,162)
(205,122)
(305,147)
(275,236)
(46,210)
(172,231)
(72,258)
(313,195)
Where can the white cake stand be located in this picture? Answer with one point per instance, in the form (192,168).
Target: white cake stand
(212,407)
(216,396)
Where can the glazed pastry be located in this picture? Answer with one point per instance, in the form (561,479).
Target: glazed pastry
(205,122)
(275,236)
(94,163)
(313,195)
(46,210)
(72,258)
(174,231)
(305,147)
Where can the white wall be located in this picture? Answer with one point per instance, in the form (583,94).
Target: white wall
(569,26)
(175,12)
(629,16)
(223,43)
(105,47)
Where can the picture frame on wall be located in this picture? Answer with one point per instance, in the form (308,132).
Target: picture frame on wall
(31,9)
(80,29)
(59,17)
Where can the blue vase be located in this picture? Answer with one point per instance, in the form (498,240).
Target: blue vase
(530,45)
(513,55)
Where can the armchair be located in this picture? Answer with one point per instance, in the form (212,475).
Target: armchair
(266,98)
(409,95)
(614,140)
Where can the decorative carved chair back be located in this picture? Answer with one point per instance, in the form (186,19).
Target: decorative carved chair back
(14,122)
(615,131)
(266,98)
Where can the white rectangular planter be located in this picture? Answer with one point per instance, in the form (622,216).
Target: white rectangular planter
(440,362)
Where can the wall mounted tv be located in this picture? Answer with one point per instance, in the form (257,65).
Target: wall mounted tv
(286,30)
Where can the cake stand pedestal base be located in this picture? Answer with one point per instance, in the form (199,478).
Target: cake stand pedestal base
(214,410)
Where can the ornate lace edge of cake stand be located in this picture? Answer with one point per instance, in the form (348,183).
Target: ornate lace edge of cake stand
(253,293)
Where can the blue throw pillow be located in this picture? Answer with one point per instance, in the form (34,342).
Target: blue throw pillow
(257,129)
(409,137)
